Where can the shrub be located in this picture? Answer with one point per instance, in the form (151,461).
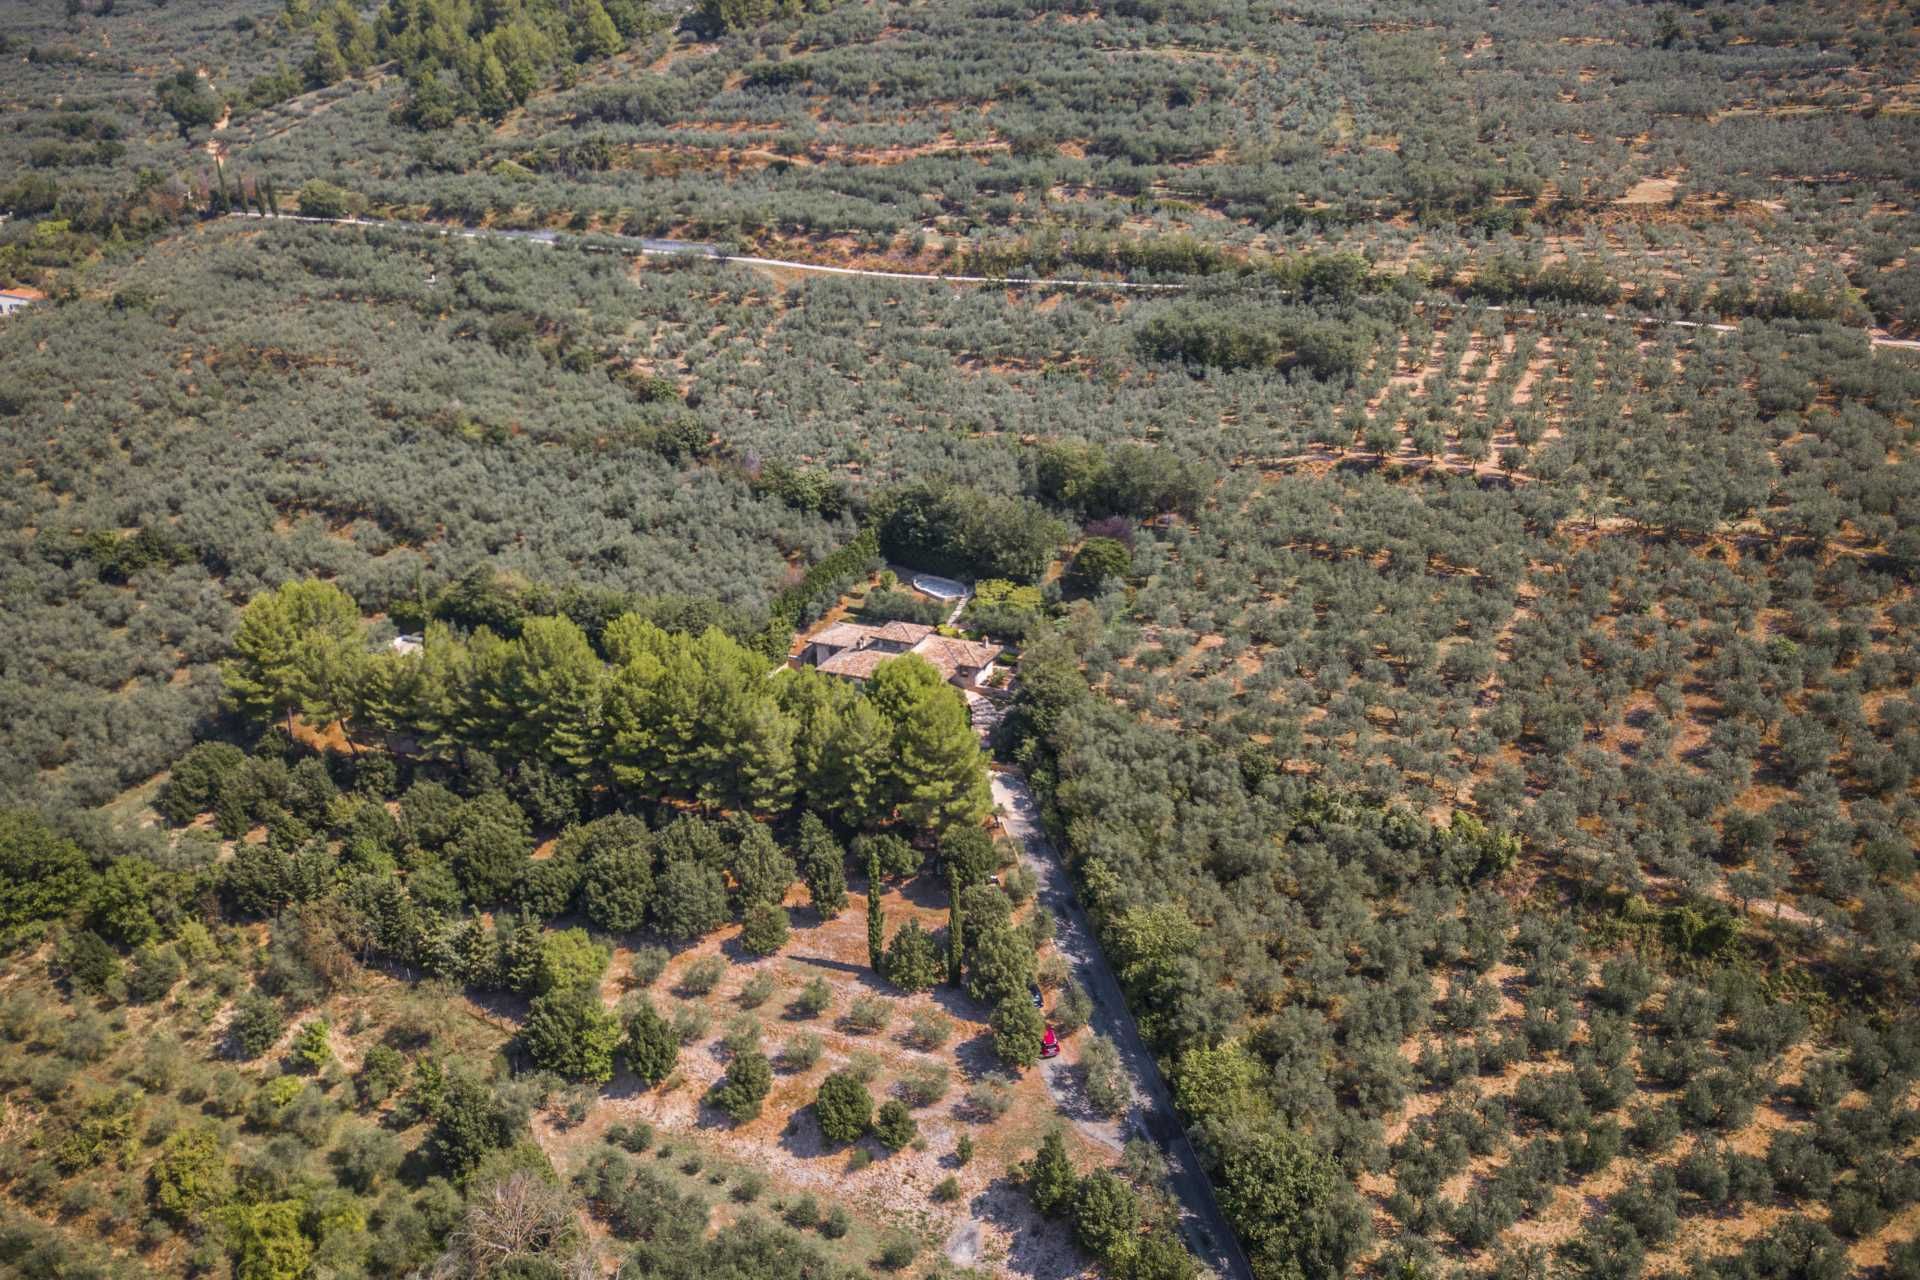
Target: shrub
(1654,1128)
(764,931)
(649,963)
(690,1022)
(894,1125)
(88,962)
(757,991)
(310,1049)
(154,972)
(963,1150)
(382,1071)
(928,1029)
(744,1089)
(1106,1084)
(913,959)
(898,1250)
(743,1035)
(566,959)
(161,1062)
(322,199)
(922,1086)
(868,1014)
(570,1032)
(635,1137)
(365,1157)
(1072,1008)
(947,1190)
(990,1098)
(837,1222)
(803,1212)
(703,975)
(801,1052)
(814,999)
(190,1175)
(843,1108)
(256,1025)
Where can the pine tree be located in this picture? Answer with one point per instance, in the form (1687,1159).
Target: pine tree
(913,958)
(1051,1180)
(476,717)
(332,663)
(766,783)
(876,919)
(760,867)
(599,38)
(548,695)
(491,91)
(936,771)
(288,648)
(854,773)
(325,65)
(823,864)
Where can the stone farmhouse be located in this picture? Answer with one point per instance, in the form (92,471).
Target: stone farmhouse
(852,650)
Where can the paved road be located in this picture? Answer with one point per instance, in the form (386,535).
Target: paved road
(646,247)
(1205,1226)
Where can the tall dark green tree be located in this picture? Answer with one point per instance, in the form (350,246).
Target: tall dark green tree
(956,927)
(1051,1178)
(876,918)
(823,864)
(649,1046)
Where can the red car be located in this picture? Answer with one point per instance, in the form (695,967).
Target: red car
(1050,1045)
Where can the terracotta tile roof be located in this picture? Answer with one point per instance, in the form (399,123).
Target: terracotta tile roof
(855,664)
(845,635)
(904,632)
(950,654)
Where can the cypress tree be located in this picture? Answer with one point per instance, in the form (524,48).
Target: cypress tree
(956,926)
(876,919)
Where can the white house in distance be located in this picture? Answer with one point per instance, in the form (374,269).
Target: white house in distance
(12,300)
(851,650)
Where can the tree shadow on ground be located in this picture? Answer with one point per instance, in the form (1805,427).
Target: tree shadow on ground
(1035,1248)
(927,890)
(1068,1085)
(802,1139)
(868,978)
(976,1058)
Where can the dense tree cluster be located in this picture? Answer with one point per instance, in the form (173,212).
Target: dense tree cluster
(661,714)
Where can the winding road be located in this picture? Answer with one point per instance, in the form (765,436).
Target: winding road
(652,248)
(1208,1234)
